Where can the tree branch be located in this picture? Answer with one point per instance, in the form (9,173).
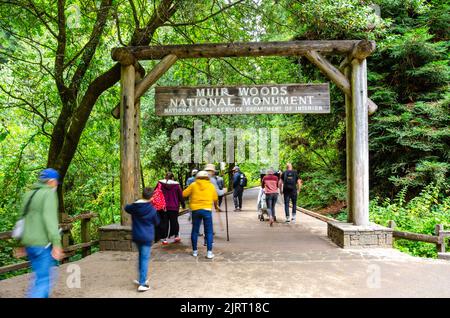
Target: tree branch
(90,48)
(60,52)
(135,16)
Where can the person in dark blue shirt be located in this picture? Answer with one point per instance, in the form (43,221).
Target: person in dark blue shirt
(144,220)
(238,189)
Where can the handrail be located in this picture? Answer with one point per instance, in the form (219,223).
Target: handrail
(69,250)
(438,238)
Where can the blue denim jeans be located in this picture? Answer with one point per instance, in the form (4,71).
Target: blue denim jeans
(290,196)
(144,258)
(197,217)
(43,266)
(271,200)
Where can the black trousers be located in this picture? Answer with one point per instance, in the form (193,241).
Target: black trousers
(168,225)
(220,199)
(173,222)
(237,197)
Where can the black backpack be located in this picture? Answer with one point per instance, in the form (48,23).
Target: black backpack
(290,178)
(243,180)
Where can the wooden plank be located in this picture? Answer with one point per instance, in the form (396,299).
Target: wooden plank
(415,237)
(14,267)
(211,50)
(84,216)
(244,99)
(79,246)
(316,215)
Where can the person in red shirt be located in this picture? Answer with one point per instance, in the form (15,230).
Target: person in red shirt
(270,185)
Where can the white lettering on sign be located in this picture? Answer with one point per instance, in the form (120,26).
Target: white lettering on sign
(254,99)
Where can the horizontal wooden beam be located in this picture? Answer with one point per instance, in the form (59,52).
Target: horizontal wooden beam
(128,55)
(88,215)
(14,267)
(415,237)
(76,247)
(316,215)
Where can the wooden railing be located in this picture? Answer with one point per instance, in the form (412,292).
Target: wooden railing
(69,250)
(438,238)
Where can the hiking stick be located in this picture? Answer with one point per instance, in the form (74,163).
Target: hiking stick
(226,216)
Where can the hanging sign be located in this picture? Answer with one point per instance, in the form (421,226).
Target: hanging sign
(243,99)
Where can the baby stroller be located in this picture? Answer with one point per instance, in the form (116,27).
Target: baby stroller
(262,205)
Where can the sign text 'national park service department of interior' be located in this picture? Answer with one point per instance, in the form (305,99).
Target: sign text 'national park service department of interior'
(242,99)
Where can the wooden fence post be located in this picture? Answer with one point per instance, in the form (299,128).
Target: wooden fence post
(85,236)
(392,224)
(66,227)
(440,246)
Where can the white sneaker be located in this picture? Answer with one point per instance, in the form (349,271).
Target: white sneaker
(195,253)
(287,220)
(143,288)
(136,282)
(209,255)
(293,219)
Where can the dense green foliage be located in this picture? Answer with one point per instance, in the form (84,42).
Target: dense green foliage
(408,79)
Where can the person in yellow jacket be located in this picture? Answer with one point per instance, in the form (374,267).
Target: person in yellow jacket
(202,196)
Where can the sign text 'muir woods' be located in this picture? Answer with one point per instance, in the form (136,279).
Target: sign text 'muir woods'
(244,99)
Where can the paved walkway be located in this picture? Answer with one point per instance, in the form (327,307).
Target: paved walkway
(286,260)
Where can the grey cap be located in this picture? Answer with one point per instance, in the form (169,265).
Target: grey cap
(236,168)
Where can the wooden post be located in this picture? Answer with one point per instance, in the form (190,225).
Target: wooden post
(392,224)
(66,227)
(85,236)
(440,246)
(127,141)
(359,144)
(137,142)
(349,160)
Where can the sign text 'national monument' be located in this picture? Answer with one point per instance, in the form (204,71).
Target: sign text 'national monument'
(242,99)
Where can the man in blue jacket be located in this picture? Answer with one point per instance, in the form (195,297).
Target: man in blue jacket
(144,219)
(238,188)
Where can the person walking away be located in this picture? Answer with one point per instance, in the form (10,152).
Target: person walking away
(290,185)
(144,219)
(211,169)
(270,185)
(202,196)
(188,182)
(41,236)
(192,177)
(221,185)
(239,182)
(170,228)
